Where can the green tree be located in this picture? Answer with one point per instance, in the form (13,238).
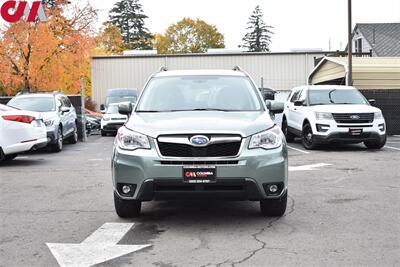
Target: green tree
(258,37)
(128,16)
(189,36)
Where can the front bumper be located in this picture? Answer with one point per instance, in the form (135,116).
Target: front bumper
(329,131)
(243,177)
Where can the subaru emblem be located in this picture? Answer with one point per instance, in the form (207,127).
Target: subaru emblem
(199,140)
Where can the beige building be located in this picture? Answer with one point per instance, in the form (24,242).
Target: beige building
(368,72)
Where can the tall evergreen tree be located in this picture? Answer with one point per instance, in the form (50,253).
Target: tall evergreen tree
(258,37)
(128,16)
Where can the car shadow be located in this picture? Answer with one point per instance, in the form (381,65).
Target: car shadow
(335,147)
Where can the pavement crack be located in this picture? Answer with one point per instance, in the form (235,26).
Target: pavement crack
(260,232)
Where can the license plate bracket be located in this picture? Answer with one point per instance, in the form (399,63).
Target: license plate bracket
(355,131)
(199,174)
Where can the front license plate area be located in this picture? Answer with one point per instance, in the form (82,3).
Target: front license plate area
(355,132)
(199,174)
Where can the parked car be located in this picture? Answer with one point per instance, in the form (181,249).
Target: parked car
(332,114)
(57,112)
(112,120)
(20,131)
(200,134)
(94,123)
(118,95)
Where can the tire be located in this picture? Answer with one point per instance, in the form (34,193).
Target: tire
(274,207)
(127,208)
(73,139)
(10,157)
(57,147)
(288,135)
(307,137)
(378,144)
(103,133)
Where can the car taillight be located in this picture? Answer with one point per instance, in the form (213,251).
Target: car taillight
(19,118)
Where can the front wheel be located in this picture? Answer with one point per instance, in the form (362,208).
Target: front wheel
(57,147)
(127,208)
(274,207)
(285,129)
(378,144)
(74,137)
(308,137)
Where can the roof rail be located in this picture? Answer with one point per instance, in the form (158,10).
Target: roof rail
(237,68)
(163,68)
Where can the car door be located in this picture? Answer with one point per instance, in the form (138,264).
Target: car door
(290,107)
(70,114)
(63,115)
(298,111)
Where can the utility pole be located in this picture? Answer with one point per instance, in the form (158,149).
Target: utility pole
(349,80)
(83,111)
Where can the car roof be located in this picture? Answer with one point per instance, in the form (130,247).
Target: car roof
(326,87)
(200,73)
(37,95)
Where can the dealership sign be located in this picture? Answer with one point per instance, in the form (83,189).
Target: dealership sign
(14,11)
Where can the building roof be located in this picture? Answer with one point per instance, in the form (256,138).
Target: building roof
(384,38)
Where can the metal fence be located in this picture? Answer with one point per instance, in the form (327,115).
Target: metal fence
(389,102)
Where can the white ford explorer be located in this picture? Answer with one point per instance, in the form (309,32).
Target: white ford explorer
(326,114)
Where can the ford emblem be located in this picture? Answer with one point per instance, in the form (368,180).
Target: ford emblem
(199,140)
(354,117)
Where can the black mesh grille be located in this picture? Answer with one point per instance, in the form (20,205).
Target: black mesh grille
(353,117)
(214,150)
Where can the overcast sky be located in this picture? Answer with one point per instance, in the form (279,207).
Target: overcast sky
(297,24)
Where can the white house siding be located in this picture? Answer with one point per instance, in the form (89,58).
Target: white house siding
(280,71)
(366,46)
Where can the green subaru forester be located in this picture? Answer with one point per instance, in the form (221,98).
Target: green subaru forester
(200,134)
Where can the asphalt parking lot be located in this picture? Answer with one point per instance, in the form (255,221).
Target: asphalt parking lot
(343,210)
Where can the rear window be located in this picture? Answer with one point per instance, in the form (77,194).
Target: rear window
(37,104)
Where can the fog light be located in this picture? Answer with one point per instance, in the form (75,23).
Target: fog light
(273,188)
(126,189)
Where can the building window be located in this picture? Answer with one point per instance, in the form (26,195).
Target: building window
(358,46)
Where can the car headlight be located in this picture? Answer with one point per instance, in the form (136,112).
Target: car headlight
(378,115)
(323,116)
(269,139)
(130,140)
(48,123)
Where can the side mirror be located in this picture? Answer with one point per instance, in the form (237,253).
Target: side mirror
(125,108)
(372,102)
(275,107)
(64,110)
(298,103)
(102,108)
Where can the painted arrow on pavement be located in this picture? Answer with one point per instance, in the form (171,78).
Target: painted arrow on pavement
(99,247)
(312,167)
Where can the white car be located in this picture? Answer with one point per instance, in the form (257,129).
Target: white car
(325,114)
(112,120)
(20,131)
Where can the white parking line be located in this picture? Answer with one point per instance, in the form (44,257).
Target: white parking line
(312,167)
(395,148)
(299,150)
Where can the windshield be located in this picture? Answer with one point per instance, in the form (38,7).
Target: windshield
(201,93)
(119,99)
(37,104)
(113,109)
(334,96)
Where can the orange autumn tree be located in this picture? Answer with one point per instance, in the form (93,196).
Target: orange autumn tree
(48,56)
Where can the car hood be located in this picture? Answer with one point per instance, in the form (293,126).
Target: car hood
(48,115)
(346,108)
(200,122)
